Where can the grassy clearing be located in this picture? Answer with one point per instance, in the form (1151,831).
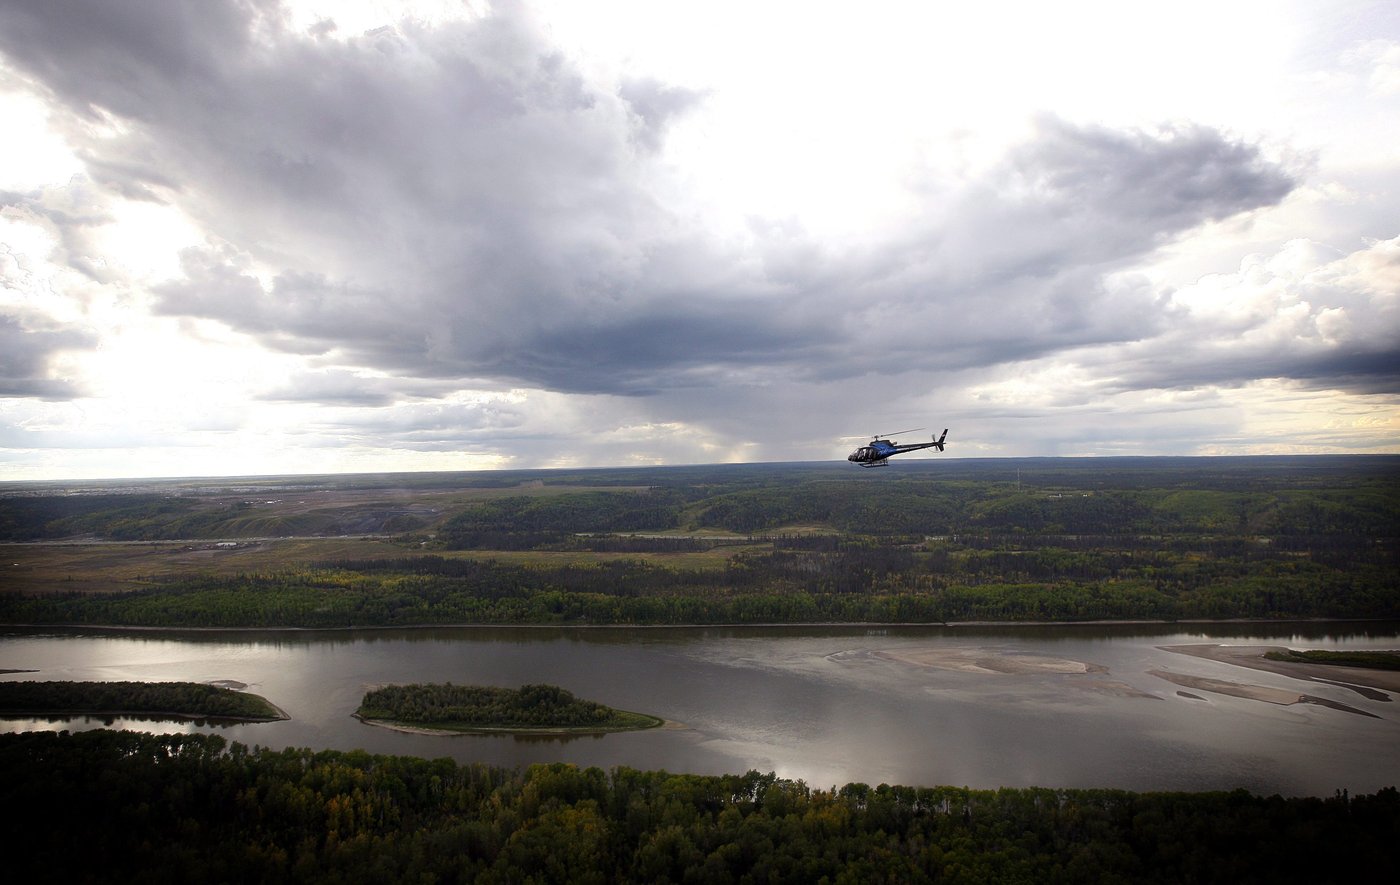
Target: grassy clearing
(705,560)
(117,567)
(127,566)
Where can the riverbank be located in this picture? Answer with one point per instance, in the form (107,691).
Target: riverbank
(730,625)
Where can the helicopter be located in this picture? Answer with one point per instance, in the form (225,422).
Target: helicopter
(878,453)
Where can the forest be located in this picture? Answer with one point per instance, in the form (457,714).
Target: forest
(1021,540)
(1375,660)
(465,707)
(184,808)
(185,700)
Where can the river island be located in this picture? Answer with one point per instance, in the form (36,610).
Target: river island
(478,709)
(149,700)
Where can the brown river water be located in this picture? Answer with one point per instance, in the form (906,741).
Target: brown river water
(978,706)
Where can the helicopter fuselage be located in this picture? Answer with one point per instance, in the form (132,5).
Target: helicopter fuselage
(878,452)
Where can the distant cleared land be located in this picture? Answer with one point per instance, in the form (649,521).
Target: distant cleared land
(483,709)
(932,540)
(107,567)
(156,700)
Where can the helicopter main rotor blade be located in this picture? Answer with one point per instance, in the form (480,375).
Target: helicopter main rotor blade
(898,432)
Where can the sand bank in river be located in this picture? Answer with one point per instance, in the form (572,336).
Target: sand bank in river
(985,660)
(1372,684)
(1281,696)
(1365,682)
(992,661)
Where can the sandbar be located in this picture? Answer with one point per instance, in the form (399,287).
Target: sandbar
(986,660)
(1372,684)
(1280,696)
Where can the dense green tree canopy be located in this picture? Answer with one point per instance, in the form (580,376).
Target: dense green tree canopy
(191,808)
(1104,539)
(464,707)
(153,699)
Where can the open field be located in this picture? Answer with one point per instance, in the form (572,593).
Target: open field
(106,567)
(214,510)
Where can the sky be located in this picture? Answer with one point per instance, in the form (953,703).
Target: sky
(262,237)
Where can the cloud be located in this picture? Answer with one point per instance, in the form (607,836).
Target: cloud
(461,203)
(414,219)
(343,388)
(655,106)
(27,348)
(1308,314)
(66,217)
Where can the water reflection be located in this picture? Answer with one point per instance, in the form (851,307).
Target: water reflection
(551,738)
(135,722)
(975,705)
(125,723)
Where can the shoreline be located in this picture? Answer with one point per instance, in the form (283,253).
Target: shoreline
(153,715)
(278,714)
(766,625)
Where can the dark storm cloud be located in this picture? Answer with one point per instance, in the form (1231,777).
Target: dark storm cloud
(128,59)
(1375,371)
(1086,200)
(26,348)
(1361,363)
(461,203)
(436,427)
(1021,263)
(1146,185)
(1357,367)
(342,388)
(684,342)
(1310,314)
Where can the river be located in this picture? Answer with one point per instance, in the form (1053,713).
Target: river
(1056,706)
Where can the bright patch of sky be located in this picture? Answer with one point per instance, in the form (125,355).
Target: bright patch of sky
(266,237)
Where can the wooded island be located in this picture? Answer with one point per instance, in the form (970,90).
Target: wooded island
(475,708)
(152,700)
